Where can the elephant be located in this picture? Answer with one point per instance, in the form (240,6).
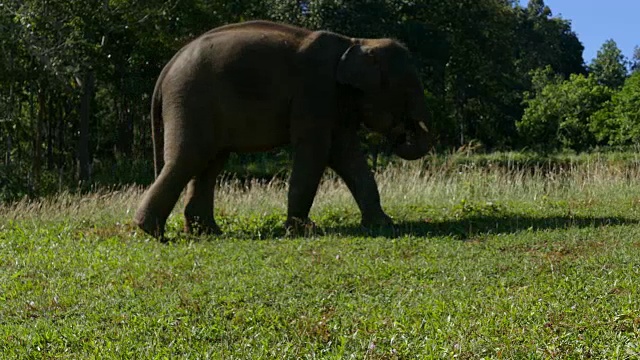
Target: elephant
(257,85)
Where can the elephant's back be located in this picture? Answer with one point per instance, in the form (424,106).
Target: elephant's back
(242,79)
(260,26)
(246,57)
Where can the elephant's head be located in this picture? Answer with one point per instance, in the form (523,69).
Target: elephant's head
(391,97)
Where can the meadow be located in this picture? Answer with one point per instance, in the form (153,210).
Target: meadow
(487,260)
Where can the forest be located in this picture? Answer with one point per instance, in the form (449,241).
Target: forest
(76,78)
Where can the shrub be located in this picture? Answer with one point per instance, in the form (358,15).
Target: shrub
(559,114)
(618,122)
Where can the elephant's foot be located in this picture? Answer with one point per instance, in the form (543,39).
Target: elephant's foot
(150,224)
(380,220)
(195,226)
(300,227)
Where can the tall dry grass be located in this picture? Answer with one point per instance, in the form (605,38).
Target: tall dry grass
(405,183)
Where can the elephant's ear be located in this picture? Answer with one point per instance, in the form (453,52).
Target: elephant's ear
(359,68)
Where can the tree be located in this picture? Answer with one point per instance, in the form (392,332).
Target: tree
(546,40)
(618,123)
(610,66)
(635,62)
(479,55)
(560,115)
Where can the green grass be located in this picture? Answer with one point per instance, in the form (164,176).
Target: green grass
(486,261)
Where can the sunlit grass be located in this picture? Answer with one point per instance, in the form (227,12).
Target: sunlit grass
(486,261)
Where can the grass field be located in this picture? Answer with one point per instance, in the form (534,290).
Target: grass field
(485,261)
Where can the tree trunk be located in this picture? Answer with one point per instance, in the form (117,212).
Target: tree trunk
(84,161)
(63,158)
(34,116)
(51,129)
(37,138)
(18,146)
(7,157)
(125,128)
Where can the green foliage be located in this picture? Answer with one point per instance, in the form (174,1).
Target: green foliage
(583,112)
(610,66)
(635,61)
(546,40)
(560,114)
(485,262)
(618,123)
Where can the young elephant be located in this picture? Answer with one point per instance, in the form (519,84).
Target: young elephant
(257,85)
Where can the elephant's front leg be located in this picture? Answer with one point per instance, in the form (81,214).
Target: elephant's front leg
(311,154)
(349,162)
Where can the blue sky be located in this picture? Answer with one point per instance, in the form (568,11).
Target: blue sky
(596,21)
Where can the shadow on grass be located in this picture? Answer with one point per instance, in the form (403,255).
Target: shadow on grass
(473,226)
(463,228)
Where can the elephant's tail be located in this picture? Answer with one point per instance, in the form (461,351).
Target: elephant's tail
(157,128)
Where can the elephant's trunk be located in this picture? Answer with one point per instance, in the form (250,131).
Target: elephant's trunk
(415,143)
(413,140)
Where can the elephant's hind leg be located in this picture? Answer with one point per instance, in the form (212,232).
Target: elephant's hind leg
(160,198)
(198,210)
